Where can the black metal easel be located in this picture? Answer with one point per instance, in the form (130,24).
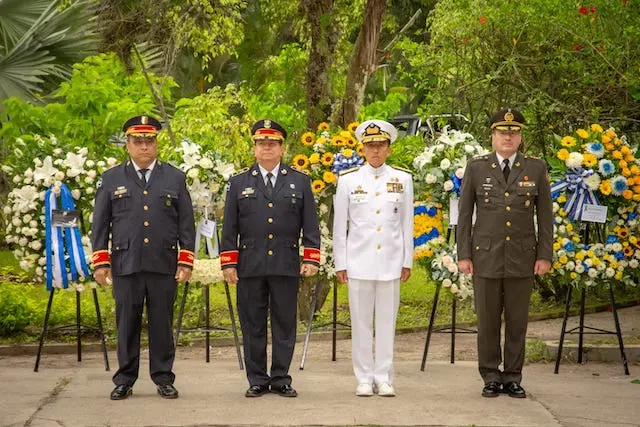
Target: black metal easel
(334,323)
(581,328)
(208,328)
(78,326)
(444,329)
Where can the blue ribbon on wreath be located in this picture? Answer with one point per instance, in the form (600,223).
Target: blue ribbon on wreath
(457,184)
(580,193)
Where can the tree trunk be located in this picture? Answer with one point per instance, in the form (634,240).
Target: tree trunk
(324,38)
(363,61)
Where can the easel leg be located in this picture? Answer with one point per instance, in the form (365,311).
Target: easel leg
(207,337)
(581,336)
(564,328)
(78,326)
(430,327)
(312,312)
(99,320)
(453,329)
(233,325)
(335,321)
(44,329)
(181,313)
(618,330)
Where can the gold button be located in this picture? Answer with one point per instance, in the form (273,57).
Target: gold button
(146,208)
(117,248)
(379,246)
(486,193)
(270,236)
(507,238)
(486,200)
(146,223)
(120,196)
(270,220)
(168,196)
(270,252)
(508,223)
(506,194)
(378,211)
(377,177)
(146,240)
(270,205)
(379,228)
(528,194)
(508,208)
(377,193)
(477,248)
(145,192)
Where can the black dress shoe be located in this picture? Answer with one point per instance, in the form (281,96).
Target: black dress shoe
(514,389)
(121,392)
(491,389)
(167,391)
(285,390)
(256,390)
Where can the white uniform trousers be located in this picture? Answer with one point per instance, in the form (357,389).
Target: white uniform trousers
(364,295)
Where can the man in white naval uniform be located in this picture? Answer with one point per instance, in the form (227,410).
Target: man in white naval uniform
(373,250)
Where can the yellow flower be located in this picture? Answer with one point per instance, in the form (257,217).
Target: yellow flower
(568,141)
(569,228)
(327,158)
(345,134)
(322,140)
(314,158)
(596,128)
(323,126)
(610,133)
(633,240)
(618,275)
(337,141)
(606,139)
(563,154)
(563,259)
(317,185)
(627,194)
(347,152)
(350,142)
(573,275)
(626,172)
(329,177)
(556,246)
(557,265)
(580,256)
(360,150)
(301,161)
(622,164)
(635,170)
(625,150)
(623,232)
(582,133)
(605,187)
(589,160)
(308,139)
(353,126)
(562,198)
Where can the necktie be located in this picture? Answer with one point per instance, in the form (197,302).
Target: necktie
(143,177)
(269,184)
(506,169)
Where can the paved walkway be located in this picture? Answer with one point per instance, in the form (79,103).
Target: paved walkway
(70,393)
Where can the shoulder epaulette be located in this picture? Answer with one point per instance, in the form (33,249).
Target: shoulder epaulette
(346,171)
(479,157)
(241,171)
(306,172)
(409,171)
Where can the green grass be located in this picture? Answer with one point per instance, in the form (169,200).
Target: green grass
(416,296)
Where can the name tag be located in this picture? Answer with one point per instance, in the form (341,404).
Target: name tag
(249,191)
(358,198)
(526,184)
(120,191)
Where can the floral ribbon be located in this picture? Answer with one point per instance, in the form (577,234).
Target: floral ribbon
(575,183)
(59,238)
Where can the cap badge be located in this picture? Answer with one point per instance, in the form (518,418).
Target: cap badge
(372,129)
(144,120)
(508,116)
(267,124)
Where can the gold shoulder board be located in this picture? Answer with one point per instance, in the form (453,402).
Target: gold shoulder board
(241,171)
(409,171)
(346,171)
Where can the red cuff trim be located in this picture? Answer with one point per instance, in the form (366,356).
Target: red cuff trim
(311,255)
(99,258)
(186,257)
(229,258)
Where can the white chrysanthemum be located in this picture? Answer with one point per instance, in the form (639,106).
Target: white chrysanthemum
(35,245)
(111,161)
(193,173)
(579,269)
(610,272)
(431,179)
(7,210)
(101,163)
(323,208)
(574,160)
(454,289)
(588,262)
(25,265)
(33,223)
(17,179)
(57,152)
(89,190)
(570,265)
(75,193)
(593,273)
(469,149)
(593,181)
(633,263)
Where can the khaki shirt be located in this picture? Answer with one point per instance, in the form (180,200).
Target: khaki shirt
(504,241)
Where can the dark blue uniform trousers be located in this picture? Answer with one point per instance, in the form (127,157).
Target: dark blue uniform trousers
(278,297)
(130,292)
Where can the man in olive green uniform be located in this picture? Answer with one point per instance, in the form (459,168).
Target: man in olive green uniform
(504,250)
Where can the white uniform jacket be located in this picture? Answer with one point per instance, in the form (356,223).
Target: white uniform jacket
(373,223)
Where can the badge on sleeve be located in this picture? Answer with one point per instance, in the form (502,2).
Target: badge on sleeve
(99,183)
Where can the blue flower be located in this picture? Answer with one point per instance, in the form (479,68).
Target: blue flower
(419,209)
(618,185)
(432,211)
(596,148)
(612,238)
(606,167)
(570,246)
(619,255)
(632,216)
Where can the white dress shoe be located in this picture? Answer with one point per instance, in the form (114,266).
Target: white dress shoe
(386,390)
(364,389)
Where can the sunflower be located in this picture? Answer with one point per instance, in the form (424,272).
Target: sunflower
(337,141)
(360,150)
(628,250)
(322,140)
(347,152)
(350,142)
(314,158)
(327,158)
(301,161)
(353,126)
(323,126)
(329,177)
(317,185)
(308,139)
(623,233)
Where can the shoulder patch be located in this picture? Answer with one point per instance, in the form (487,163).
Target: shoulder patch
(346,171)
(479,157)
(306,172)
(241,171)
(409,171)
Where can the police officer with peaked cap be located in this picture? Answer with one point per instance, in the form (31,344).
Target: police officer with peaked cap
(267,207)
(143,237)
(504,250)
(373,252)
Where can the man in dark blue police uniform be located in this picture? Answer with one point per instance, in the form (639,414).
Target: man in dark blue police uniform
(143,238)
(267,206)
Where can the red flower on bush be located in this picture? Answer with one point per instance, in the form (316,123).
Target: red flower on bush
(577,47)
(583,10)
(593,9)
(483,20)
